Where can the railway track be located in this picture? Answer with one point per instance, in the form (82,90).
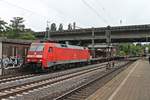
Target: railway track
(27,88)
(85,90)
(12,78)
(20,88)
(7,83)
(8,78)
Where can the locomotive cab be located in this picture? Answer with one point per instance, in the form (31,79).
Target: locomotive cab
(35,54)
(40,55)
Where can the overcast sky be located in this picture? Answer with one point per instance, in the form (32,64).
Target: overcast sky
(86,13)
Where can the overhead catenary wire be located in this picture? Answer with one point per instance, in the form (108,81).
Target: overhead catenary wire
(27,10)
(93,9)
(101,7)
(62,15)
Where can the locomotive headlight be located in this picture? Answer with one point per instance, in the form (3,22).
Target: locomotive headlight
(40,60)
(28,60)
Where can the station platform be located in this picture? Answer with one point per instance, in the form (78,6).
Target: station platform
(131,84)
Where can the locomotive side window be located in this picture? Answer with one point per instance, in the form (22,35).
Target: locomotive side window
(50,49)
(40,48)
(36,47)
(32,48)
(63,45)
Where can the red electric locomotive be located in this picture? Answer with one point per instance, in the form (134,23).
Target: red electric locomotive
(47,55)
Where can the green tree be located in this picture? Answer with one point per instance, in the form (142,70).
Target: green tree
(121,53)
(2,26)
(16,30)
(27,36)
(130,49)
(124,47)
(17,24)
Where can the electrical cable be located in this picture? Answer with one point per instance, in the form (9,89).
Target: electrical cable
(92,9)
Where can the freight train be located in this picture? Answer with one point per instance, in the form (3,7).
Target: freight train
(50,55)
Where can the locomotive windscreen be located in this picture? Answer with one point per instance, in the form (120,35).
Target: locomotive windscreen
(36,47)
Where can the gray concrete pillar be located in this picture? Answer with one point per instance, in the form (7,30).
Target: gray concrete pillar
(13,51)
(1,58)
(25,51)
(0,49)
(16,51)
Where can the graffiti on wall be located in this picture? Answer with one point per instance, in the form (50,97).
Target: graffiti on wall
(11,61)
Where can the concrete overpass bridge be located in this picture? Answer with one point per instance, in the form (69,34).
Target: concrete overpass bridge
(132,33)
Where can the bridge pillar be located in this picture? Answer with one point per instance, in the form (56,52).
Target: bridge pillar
(93,43)
(13,51)
(1,56)
(108,42)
